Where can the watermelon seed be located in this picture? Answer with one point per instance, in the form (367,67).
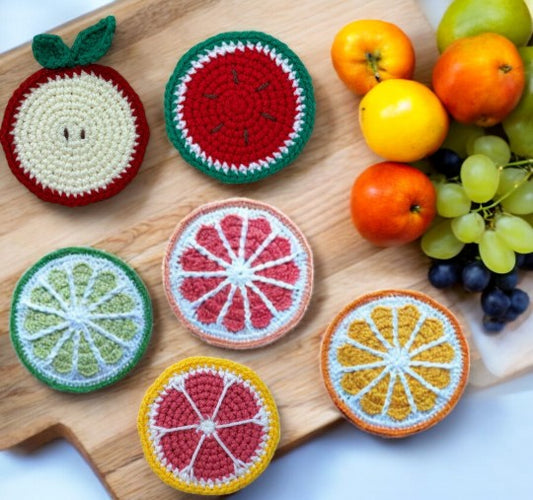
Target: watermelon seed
(65,133)
(217,128)
(211,96)
(245,133)
(269,117)
(262,86)
(235,76)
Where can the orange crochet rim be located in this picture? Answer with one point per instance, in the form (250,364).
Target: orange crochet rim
(384,431)
(198,330)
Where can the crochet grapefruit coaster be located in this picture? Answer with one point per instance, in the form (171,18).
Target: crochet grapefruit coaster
(208,426)
(395,362)
(238,273)
(239,106)
(74,132)
(80,319)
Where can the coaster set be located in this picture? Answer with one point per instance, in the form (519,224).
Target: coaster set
(74,132)
(208,426)
(80,319)
(239,106)
(238,273)
(395,362)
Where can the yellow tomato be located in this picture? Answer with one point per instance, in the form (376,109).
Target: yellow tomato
(367,52)
(402,120)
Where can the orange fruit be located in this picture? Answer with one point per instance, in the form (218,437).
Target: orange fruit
(395,362)
(392,203)
(368,51)
(402,120)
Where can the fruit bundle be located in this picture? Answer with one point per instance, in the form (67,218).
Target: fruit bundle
(459,157)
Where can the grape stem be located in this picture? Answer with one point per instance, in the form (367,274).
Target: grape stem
(526,178)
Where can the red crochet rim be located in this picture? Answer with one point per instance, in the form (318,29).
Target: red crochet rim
(51,195)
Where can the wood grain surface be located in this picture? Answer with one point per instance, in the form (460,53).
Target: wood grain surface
(314,191)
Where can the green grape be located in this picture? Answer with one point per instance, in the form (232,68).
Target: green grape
(494,147)
(520,202)
(509,178)
(480,178)
(515,232)
(495,253)
(469,227)
(452,201)
(459,135)
(439,241)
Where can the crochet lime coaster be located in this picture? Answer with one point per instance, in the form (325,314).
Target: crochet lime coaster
(80,319)
(208,426)
(238,273)
(239,106)
(74,132)
(395,362)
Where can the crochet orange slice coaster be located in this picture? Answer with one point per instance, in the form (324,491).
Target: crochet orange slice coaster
(238,273)
(208,426)
(395,362)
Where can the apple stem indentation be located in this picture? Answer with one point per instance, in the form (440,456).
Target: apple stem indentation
(373,60)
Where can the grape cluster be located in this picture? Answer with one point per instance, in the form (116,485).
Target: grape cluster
(501,300)
(483,231)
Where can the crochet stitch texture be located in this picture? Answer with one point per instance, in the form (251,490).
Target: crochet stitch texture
(80,319)
(238,273)
(239,106)
(208,426)
(395,362)
(74,132)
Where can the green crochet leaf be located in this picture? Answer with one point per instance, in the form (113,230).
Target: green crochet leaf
(50,51)
(92,43)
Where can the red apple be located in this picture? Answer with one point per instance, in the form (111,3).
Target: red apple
(392,203)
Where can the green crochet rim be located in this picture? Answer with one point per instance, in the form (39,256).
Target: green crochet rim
(184,65)
(147,310)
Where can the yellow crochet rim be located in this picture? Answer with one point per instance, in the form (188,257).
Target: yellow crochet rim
(253,379)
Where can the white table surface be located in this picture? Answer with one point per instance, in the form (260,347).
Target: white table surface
(483,450)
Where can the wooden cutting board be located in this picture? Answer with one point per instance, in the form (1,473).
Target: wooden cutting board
(151,36)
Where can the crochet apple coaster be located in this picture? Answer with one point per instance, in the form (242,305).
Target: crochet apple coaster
(239,106)
(208,426)
(74,132)
(395,362)
(238,273)
(80,319)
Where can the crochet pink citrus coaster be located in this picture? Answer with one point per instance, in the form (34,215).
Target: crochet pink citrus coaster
(238,273)
(208,426)
(239,106)
(74,132)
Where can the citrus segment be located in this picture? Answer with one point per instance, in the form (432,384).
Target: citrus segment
(208,426)
(239,106)
(238,273)
(80,319)
(395,362)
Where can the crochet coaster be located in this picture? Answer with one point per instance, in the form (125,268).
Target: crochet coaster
(80,319)
(239,106)
(395,362)
(238,273)
(74,132)
(208,426)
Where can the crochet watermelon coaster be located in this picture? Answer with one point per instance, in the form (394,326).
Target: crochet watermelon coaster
(74,132)
(395,362)
(239,106)
(238,273)
(80,319)
(208,426)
